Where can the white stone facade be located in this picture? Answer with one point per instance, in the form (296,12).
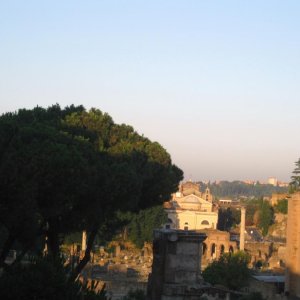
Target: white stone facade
(190,211)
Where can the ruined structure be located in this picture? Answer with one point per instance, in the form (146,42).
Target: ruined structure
(176,264)
(292,283)
(216,243)
(191,209)
(277,197)
(126,268)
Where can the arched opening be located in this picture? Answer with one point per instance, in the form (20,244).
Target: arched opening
(231,249)
(204,249)
(186,226)
(222,249)
(213,250)
(204,222)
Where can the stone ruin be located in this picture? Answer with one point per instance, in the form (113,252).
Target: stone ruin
(176,269)
(121,267)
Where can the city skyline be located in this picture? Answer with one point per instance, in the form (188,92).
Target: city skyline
(215,83)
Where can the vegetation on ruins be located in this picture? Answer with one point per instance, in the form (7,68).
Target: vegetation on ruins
(281,206)
(228,218)
(67,170)
(258,212)
(265,217)
(230,270)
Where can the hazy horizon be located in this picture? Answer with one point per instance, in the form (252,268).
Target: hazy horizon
(216,83)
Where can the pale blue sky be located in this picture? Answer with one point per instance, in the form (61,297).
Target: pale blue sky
(215,82)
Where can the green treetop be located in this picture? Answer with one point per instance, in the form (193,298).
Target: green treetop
(295,183)
(65,170)
(230,270)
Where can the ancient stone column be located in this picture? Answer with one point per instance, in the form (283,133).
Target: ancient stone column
(176,264)
(83,243)
(242,228)
(117,251)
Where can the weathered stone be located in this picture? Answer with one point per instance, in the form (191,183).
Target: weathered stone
(292,283)
(176,263)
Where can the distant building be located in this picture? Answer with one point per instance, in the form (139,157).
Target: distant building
(224,202)
(273,181)
(283,184)
(249,182)
(191,209)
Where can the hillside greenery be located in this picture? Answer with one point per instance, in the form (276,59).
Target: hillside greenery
(238,189)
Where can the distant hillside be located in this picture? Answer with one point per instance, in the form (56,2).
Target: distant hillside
(237,189)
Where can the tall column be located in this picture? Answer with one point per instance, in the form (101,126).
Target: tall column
(242,228)
(83,243)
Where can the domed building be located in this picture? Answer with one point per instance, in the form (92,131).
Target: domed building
(191,209)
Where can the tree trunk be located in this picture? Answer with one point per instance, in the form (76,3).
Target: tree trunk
(87,254)
(53,243)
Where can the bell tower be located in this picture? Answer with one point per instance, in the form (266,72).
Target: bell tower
(207,195)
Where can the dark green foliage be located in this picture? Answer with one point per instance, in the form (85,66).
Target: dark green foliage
(253,296)
(251,207)
(266,217)
(228,218)
(91,293)
(135,295)
(258,264)
(282,206)
(44,279)
(295,183)
(237,189)
(230,271)
(73,238)
(65,170)
(142,224)
(259,213)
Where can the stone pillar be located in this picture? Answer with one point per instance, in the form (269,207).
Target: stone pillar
(83,243)
(117,251)
(292,278)
(176,264)
(242,229)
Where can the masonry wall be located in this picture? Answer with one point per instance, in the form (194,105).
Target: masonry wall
(176,263)
(292,284)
